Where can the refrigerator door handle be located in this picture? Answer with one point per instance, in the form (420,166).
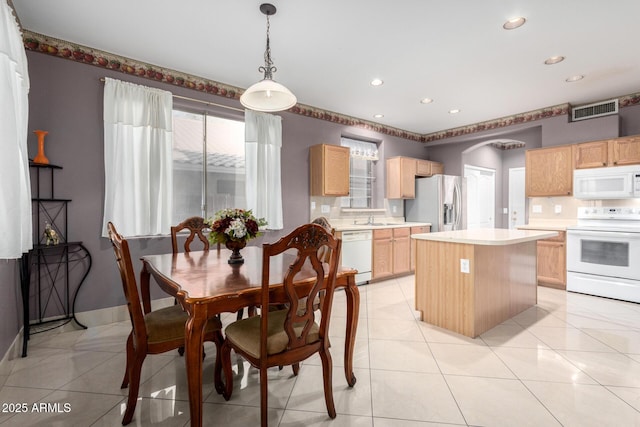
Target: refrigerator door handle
(458,206)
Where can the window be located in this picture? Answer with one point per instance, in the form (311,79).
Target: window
(221,142)
(362,177)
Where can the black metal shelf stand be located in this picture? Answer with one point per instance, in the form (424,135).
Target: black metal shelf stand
(49,265)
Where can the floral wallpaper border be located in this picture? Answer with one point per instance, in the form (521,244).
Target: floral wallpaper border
(56,47)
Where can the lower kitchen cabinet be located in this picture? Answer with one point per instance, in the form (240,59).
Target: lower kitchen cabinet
(417,230)
(552,262)
(391,252)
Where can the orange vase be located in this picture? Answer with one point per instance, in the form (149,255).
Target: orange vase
(41,158)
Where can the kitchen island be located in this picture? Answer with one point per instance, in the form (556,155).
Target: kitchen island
(469,281)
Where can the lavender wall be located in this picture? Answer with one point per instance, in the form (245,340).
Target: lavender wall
(66,100)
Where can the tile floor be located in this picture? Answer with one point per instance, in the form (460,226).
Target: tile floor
(573,360)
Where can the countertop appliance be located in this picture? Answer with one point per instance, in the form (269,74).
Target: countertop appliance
(603,253)
(439,200)
(356,253)
(620,182)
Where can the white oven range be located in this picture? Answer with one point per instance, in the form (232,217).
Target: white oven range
(603,253)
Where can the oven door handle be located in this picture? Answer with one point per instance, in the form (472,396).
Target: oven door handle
(604,234)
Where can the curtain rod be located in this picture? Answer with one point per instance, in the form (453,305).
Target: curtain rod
(198,100)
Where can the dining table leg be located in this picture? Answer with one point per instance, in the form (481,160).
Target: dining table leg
(194,334)
(353,310)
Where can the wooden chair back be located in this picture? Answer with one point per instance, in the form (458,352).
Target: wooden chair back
(129,285)
(196,226)
(305,241)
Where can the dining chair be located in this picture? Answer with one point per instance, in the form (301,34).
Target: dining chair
(196,226)
(155,332)
(289,335)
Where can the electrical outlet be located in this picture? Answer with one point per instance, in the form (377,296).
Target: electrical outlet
(313,206)
(536,208)
(325,208)
(505,211)
(464,265)
(394,209)
(558,209)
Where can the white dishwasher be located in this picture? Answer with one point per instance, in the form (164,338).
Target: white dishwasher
(356,253)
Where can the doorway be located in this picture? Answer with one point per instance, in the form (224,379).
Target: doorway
(481,196)
(517,199)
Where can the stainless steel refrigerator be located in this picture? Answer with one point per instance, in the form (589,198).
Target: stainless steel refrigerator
(440,201)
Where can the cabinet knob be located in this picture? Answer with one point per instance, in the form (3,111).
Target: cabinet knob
(604,163)
(615,163)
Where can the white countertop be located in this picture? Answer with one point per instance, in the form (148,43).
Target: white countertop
(549,224)
(486,236)
(348,227)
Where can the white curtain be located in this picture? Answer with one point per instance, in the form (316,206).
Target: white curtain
(15,185)
(263,138)
(137,159)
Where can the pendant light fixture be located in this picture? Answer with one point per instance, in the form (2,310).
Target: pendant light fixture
(268,95)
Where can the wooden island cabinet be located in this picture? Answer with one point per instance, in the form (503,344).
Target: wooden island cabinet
(469,281)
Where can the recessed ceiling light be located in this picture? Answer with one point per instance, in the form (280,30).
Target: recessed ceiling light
(376,82)
(514,23)
(454,111)
(574,78)
(554,60)
(426,101)
(378,116)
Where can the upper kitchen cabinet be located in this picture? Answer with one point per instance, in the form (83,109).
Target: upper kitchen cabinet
(329,168)
(549,171)
(624,151)
(613,152)
(592,154)
(428,168)
(401,175)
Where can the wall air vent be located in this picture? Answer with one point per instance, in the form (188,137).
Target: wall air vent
(599,109)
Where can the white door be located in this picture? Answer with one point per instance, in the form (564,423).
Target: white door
(517,208)
(481,196)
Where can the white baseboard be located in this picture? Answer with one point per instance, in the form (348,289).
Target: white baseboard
(91,319)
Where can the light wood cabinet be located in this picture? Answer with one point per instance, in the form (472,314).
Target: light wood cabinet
(382,253)
(428,168)
(329,170)
(391,252)
(549,171)
(401,174)
(552,262)
(591,154)
(417,230)
(624,151)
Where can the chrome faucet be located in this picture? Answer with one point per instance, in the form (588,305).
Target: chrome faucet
(370,221)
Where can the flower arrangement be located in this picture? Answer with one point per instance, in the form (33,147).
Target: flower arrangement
(237,225)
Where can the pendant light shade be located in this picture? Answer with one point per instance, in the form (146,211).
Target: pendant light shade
(268,95)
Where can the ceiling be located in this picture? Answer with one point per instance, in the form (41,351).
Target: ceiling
(327,52)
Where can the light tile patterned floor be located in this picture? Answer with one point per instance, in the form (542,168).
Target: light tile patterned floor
(572,360)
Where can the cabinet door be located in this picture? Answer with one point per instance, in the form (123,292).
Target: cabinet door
(401,250)
(549,171)
(423,168)
(624,151)
(401,173)
(417,230)
(329,170)
(552,263)
(382,253)
(437,168)
(592,154)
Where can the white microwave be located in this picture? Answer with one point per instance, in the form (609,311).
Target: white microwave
(621,182)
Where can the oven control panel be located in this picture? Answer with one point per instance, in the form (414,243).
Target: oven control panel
(630,213)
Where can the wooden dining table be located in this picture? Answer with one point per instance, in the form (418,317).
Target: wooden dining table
(205,284)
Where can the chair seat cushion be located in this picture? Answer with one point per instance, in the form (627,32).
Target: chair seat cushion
(245,334)
(167,324)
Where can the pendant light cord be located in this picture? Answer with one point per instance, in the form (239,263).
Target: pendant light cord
(268,68)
